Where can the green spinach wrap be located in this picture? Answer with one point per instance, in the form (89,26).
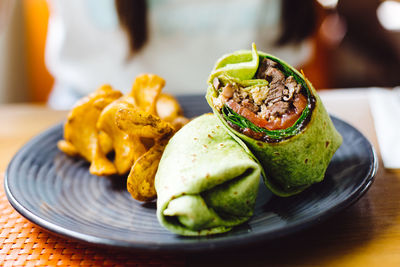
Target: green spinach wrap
(276,112)
(206,182)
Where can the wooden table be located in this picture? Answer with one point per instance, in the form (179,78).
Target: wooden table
(366,234)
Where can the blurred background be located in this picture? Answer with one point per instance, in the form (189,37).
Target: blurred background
(354,43)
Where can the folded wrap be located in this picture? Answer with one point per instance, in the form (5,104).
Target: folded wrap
(206,182)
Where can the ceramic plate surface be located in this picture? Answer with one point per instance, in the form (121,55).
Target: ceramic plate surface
(57,193)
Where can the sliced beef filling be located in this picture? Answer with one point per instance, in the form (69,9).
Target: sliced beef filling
(273,107)
(282,92)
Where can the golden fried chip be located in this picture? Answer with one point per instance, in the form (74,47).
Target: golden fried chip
(136,126)
(140,181)
(179,122)
(146,95)
(139,123)
(67,148)
(80,129)
(105,142)
(168,107)
(128,148)
(145,91)
(155,133)
(100,165)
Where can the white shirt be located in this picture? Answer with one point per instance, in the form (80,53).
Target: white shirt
(86,47)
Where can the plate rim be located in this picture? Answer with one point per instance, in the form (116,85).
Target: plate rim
(217,244)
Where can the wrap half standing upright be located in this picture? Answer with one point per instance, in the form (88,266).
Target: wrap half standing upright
(276,112)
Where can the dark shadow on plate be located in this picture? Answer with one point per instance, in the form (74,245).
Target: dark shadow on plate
(117,182)
(150,205)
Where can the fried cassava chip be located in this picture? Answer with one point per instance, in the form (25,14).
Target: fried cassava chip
(135,122)
(135,126)
(81,136)
(127,148)
(140,181)
(145,91)
(168,109)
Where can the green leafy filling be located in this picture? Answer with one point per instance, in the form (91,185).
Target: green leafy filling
(243,123)
(246,84)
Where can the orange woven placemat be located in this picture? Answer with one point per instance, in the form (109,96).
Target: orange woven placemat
(24,244)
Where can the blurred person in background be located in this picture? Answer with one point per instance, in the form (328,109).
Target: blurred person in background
(94,42)
(369,54)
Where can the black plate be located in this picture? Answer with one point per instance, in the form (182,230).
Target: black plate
(57,193)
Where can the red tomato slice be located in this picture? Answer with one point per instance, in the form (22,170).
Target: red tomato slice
(251,116)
